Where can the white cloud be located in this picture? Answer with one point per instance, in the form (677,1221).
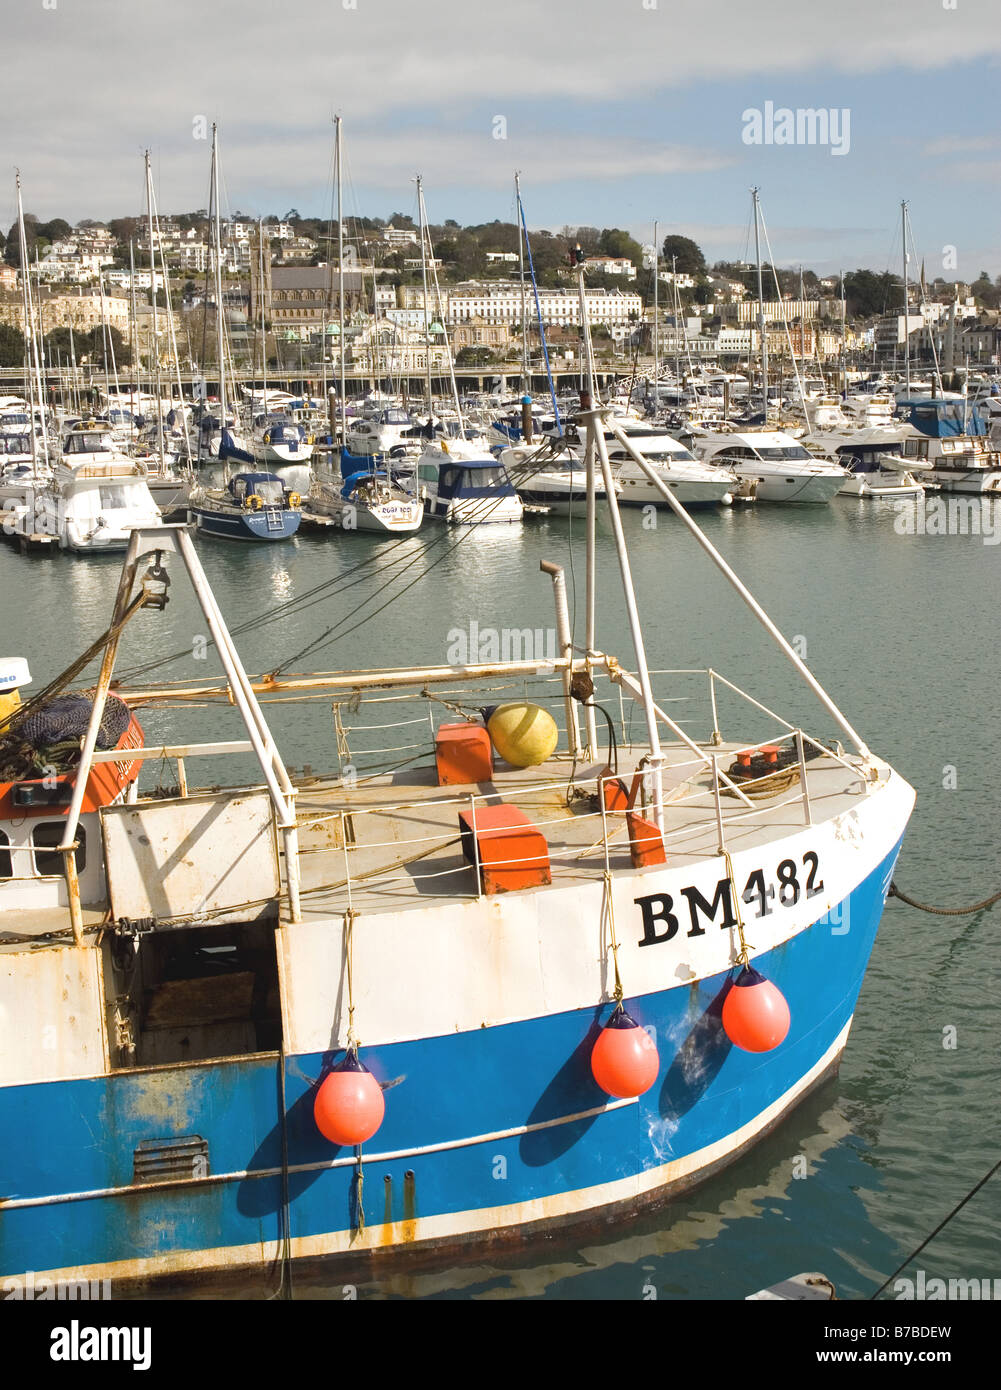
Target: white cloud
(122,75)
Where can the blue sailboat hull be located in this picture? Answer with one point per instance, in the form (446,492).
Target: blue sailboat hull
(268,524)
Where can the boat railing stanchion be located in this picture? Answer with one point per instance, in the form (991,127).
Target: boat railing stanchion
(807,812)
(715,738)
(182,779)
(476,844)
(718,805)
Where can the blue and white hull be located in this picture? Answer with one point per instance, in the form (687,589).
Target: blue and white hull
(480,1023)
(268,524)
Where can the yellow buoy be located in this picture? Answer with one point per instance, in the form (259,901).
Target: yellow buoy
(523,734)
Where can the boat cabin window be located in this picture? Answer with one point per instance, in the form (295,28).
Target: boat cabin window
(86,443)
(15,444)
(776,453)
(5,869)
(114,495)
(45,839)
(269,490)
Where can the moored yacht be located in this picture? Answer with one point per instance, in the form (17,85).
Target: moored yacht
(774,465)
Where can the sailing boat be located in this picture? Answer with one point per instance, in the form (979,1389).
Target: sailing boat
(169,485)
(360,496)
(252,506)
(773,466)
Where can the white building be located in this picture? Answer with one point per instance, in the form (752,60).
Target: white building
(125,279)
(503,303)
(398,237)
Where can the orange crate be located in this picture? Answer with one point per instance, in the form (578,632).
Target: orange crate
(463,755)
(512,852)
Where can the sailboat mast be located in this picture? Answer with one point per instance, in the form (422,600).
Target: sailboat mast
(424,276)
(133,327)
(761,312)
(656,318)
(34,366)
(264,333)
(340,279)
(521,273)
(217,255)
(155,346)
(907,336)
(844,345)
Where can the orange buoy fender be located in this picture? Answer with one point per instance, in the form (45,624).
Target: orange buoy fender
(349,1104)
(624,1059)
(755,1013)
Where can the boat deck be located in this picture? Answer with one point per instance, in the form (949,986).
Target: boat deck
(404,845)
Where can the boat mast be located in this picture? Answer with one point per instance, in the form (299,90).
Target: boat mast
(761,311)
(217,254)
(340,279)
(133,329)
(907,336)
(34,366)
(427,321)
(656,321)
(844,346)
(264,334)
(521,274)
(155,346)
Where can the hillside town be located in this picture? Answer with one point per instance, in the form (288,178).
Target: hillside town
(92,289)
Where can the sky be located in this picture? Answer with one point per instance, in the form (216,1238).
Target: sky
(616,113)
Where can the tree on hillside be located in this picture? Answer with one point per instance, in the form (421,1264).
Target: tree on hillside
(687,254)
(12,249)
(125,229)
(615,242)
(11,346)
(868,294)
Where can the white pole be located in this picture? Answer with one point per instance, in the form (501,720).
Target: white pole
(340,284)
(596,439)
(761,311)
(744,593)
(907,336)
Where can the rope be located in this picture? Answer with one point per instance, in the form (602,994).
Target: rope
(349,945)
(743,958)
(468,713)
(284,1290)
(617,992)
(895,892)
(944,1222)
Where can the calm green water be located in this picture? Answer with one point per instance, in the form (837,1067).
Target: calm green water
(902,630)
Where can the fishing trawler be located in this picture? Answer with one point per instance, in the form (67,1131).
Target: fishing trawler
(533,975)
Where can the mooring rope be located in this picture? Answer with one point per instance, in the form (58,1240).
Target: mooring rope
(944,1222)
(896,892)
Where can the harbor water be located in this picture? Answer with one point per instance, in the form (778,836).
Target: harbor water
(900,628)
